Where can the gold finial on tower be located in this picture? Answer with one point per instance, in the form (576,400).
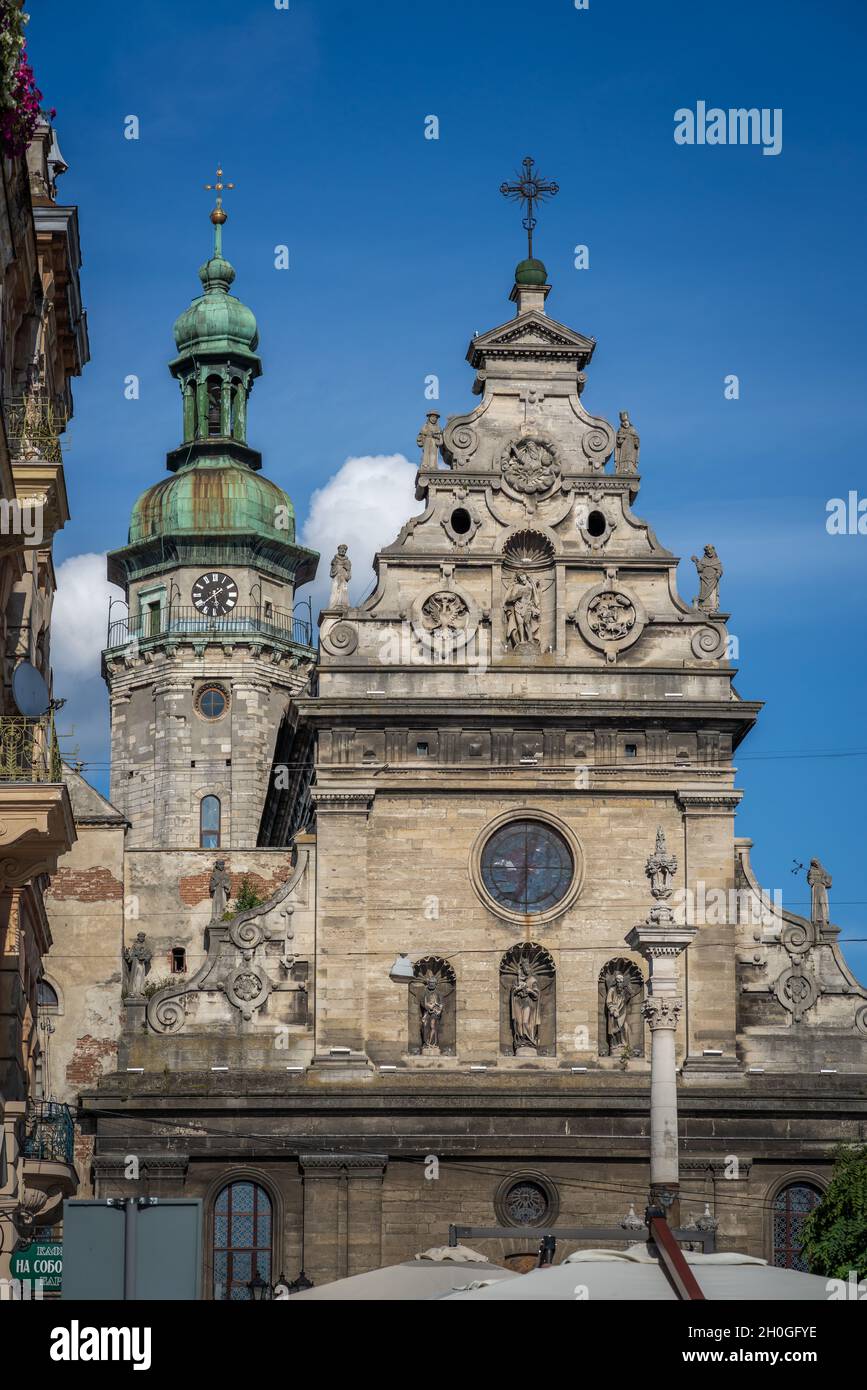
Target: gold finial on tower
(219,214)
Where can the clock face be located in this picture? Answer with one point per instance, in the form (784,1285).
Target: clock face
(215,594)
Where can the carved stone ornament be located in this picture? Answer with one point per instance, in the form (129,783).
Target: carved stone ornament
(341,639)
(527,985)
(610,618)
(530,467)
(709,643)
(443,618)
(621,994)
(611,615)
(237,964)
(796,991)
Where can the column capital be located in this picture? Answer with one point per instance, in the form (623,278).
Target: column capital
(661,1012)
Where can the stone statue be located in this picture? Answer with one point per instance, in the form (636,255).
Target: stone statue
(710,573)
(137,962)
(820,881)
(341,573)
(430,437)
(525,1002)
(616,1020)
(521,611)
(219,887)
(626,446)
(431,1006)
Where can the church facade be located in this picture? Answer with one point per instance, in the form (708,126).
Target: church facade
(345,954)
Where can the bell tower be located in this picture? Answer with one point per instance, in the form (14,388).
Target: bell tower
(203,665)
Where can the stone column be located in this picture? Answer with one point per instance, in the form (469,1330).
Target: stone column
(660,940)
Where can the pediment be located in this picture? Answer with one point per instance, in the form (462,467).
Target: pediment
(532,331)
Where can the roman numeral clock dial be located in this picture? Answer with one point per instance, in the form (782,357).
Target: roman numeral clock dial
(215,594)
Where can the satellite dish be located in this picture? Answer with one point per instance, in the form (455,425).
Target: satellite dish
(29,690)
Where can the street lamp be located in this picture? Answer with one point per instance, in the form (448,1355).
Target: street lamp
(402,972)
(260,1289)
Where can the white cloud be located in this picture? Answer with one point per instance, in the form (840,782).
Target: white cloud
(78,631)
(364,505)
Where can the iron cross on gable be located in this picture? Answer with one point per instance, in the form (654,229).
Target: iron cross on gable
(529,189)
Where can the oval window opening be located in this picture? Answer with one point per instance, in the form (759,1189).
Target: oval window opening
(461,521)
(596,524)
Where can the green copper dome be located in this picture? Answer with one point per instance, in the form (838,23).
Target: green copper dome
(216,321)
(530,272)
(214,496)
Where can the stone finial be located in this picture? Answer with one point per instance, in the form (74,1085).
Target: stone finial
(660,869)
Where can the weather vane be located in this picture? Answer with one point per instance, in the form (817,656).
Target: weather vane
(218,215)
(530,189)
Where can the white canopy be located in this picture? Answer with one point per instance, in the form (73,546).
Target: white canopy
(636,1275)
(435,1273)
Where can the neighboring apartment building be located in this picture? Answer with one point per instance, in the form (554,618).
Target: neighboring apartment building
(43,345)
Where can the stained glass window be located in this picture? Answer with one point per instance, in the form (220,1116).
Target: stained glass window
(792,1206)
(242,1240)
(527,867)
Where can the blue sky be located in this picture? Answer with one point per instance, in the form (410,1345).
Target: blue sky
(704,261)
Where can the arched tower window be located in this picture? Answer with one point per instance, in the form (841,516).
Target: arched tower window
(792,1206)
(242,1240)
(215,391)
(210,822)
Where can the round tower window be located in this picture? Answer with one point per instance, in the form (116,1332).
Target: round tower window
(527,867)
(212,702)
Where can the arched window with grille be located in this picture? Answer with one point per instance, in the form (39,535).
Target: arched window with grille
(243,1237)
(792,1206)
(209,822)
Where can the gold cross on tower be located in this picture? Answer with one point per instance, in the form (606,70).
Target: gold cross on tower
(529,189)
(219,214)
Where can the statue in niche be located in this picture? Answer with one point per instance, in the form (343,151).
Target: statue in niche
(137,963)
(527,1022)
(525,1000)
(710,572)
(820,881)
(431,1006)
(621,990)
(219,887)
(429,439)
(626,446)
(341,573)
(522,612)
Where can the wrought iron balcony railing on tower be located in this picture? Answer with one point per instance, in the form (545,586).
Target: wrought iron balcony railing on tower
(29,750)
(187,622)
(49,1134)
(33,428)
